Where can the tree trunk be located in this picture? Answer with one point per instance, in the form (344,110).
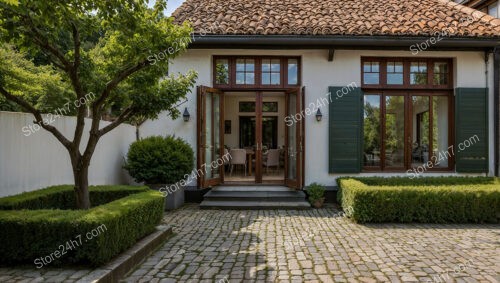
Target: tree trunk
(81,175)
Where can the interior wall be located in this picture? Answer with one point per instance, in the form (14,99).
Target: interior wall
(231,113)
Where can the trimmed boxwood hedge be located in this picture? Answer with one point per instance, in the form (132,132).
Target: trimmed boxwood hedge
(449,200)
(27,235)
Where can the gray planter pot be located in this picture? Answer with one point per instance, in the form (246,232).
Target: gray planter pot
(174,196)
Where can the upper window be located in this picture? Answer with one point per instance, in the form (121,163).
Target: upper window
(245,71)
(371,73)
(440,73)
(271,71)
(222,71)
(293,71)
(418,73)
(493,10)
(394,73)
(256,72)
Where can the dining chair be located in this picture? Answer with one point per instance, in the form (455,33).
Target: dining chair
(238,157)
(273,159)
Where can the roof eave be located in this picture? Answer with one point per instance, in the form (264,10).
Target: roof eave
(341,42)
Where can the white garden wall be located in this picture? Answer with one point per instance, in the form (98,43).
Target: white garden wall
(31,160)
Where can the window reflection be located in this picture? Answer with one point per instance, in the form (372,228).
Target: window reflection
(371,125)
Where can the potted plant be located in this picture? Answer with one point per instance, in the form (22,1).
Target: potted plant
(162,163)
(316,193)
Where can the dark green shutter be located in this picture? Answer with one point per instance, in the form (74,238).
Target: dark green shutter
(345,130)
(471,119)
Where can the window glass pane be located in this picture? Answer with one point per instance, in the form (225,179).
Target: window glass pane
(371,78)
(398,67)
(371,122)
(293,66)
(247,106)
(418,73)
(275,78)
(240,78)
(367,67)
(394,79)
(275,65)
(240,65)
(394,131)
(266,65)
(250,65)
(371,73)
(395,73)
(493,10)
(270,106)
(440,131)
(440,73)
(249,78)
(271,72)
(222,71)
(266,78)
(420,135)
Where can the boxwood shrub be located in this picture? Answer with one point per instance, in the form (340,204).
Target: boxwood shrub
(63,197)
(449,200)
(28,235)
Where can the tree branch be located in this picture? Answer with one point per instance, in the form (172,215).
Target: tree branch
(77,86)
(44,43)
(115,81)
(122,118)
(38,116)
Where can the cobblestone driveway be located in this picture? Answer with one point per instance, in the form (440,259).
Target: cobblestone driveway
(317,246)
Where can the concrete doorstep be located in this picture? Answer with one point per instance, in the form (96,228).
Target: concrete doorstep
(125,262)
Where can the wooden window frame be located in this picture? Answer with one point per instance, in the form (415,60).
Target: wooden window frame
(258,72)
(408,94)
(406,73)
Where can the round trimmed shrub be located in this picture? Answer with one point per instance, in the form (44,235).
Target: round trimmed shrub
(159,160)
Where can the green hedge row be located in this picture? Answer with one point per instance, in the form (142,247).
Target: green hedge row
(36,236)
(63,197)
(459,201)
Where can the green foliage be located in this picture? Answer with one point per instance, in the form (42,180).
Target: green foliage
(428,200)
(160,160)
(31,234)
(315,192)
(114,36)
(41,86)
(63,197)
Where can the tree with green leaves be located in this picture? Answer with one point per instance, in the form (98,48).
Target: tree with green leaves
(55,52)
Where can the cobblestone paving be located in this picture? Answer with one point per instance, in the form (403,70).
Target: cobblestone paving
(317,246)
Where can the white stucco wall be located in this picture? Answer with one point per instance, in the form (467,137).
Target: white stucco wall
(317,75)
(31,160)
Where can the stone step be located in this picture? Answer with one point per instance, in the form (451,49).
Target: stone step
(255,195)
(211,204)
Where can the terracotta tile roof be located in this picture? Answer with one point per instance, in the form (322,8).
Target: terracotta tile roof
(336,17)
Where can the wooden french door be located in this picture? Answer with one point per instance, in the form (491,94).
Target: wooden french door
(210,137)
(294,139)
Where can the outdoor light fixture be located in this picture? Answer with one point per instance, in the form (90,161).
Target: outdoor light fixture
(186,115)
(319,116)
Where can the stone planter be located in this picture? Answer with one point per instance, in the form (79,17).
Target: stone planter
(174,195)
(319,203)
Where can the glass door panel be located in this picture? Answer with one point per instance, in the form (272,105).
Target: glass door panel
(394,131)
(420,124)
(209,123)
(293,141)
(372,144)
(273,139)
(440,132)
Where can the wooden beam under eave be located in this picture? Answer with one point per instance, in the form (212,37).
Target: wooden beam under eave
(331,53)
